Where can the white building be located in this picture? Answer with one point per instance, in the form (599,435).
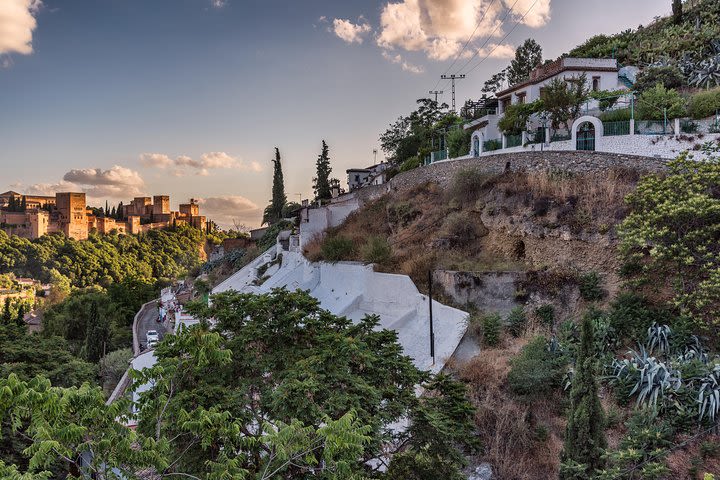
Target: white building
(361,177)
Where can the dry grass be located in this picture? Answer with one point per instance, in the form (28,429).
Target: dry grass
(509,428)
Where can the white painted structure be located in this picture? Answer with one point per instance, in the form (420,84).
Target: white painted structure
(314,221)
(354,290)
(372,175)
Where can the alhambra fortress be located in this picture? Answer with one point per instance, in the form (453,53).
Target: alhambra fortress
(32,216)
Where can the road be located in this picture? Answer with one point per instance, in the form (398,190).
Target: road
(148,320)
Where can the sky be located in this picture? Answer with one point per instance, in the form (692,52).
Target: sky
(122,98)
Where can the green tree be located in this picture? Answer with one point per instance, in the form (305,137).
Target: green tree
(677,11)
(7,313)
(274,211)
(97,335)
(411,134)
(658,103)
(670,237)
(494,83)
(279,357)
(585,440)
(321,183)
(528,56)
(562,100)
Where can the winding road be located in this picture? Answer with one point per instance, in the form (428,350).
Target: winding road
(148,320)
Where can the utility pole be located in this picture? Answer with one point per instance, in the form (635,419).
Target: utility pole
(432,329)
(436,92)
(452,79)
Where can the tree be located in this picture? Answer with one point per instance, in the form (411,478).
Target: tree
(528,56)
(670,237)
(97,335)
(274,211)
(23,204)
(7,314)
(494,83)
(677,11)
(585,440)
(278,358)
(321,183)
(659,103)
(409,135)
(562,100)
(669,76)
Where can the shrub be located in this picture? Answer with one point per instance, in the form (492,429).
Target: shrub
(619,115)
(630,316)
(491,329)
(590,288)
(536,371)
(376,250)
(704,104)
(516,321)
(466,185)
(458,142)
(337,248)
(410,164)
(658,101)
(459,229)
(668,76)
(546,314)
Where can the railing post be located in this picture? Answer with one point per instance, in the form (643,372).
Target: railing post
(677,126)
(523,139)
(504,141)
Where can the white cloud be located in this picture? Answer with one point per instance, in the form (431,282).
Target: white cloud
(17,23)
(201,166)
(398,59)
(440,28)
(218,3)
(117,182)
(494,50)
(48,189)
(230,209)
(350,32)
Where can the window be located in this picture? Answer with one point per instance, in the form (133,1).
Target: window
(596,84)
(521,97)
(357,178)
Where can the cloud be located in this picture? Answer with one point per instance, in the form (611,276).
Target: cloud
(230,209)
(200,166)
(117,182)
(398,59)
(440,28)
(350,32)
(48,189)
(218,3)
(17,23)
(494,50)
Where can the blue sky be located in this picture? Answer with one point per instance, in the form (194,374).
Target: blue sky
(190,97)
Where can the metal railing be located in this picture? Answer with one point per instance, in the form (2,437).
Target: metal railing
(653,127)
(513,141)
(491,145)
(612,129)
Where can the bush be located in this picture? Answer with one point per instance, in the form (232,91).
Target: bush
(410,164)
(338,248)
(546,314)
(377,250)
(657,101)
(466,185)
(619,115)
(704,104)
(590,288)
(458,142)
(516,321)
(630,316)
(669,77)
(459,229)
(491,329)
(536,371)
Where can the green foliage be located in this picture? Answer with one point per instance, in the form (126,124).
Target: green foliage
(517,116)
(546,314)
(274,211)
(410,134)
(563,99)
(618,115)
(630,315)
(590,285)
(658,102)
(458,142)
(704,104)
(336,248)
(102,259)
(528,56)
(113,366)
(668,76)
(459,229)
(672,232)
(536,371)
(269,238)
(321,182)
(516,321)
(585,437)
(491,325)
(410,164)
(279,357)
(377,250)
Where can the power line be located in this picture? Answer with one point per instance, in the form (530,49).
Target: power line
(452,79)
(507,14)
(435,92)
(503,39)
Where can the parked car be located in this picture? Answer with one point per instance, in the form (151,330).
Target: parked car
(152,338)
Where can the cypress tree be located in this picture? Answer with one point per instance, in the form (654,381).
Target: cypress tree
(96,335)
(6,316)
(585,437)
(273,212)
(322,181)
(23,204)
(677,11)
(20,317)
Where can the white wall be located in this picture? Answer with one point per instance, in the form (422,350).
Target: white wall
(322,218)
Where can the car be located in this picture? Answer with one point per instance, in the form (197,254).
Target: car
(152,337)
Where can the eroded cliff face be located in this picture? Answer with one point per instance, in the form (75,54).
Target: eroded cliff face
(545,229)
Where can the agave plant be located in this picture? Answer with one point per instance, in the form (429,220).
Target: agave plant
(706,73)
(694,350)
(709,395)
(651,376)
(658,336)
